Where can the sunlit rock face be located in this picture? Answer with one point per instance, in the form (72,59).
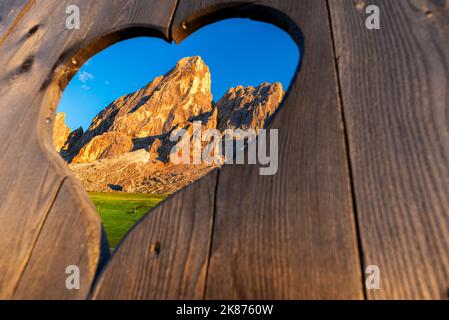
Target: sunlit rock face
(60,131)
(106,145)
(128,145)
(184,92)
(248,107)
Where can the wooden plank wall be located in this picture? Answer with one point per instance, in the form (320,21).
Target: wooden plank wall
(395,90)
(363,165)
(287,236)
(46,219)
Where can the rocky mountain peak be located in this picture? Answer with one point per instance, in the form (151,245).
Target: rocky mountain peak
(179,95)
(138,126)
(249,107)
(193,64)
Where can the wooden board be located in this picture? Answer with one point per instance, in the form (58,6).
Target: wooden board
(66,240)
(32,174)
(11,12)
(395,89)
(235,234)
(165,256)
(291,235)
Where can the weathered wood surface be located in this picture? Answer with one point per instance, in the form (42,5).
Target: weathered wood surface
(235,234)
(11,12)
(395,89)
(166,255)
(36,187)
(291,235)
(68,226)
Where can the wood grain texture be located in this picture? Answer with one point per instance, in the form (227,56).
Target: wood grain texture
(291,235)
(395,89)
(288,236)
(36,66)
(165,255)
(11,12)
(66,239)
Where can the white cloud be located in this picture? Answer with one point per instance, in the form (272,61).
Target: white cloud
(85,87)
(84,77)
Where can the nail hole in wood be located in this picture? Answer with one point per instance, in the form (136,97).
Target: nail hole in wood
(359,4)
(26,65)
(156,249)
(33,30)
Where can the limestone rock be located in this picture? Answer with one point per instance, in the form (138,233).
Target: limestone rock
(127,147)
(154,150)
(60,131)
(71,141)
(134,172)
(107,145)
(182,93)
(249,107)
(119,173)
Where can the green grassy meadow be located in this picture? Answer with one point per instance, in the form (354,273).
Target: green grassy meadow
(120,211)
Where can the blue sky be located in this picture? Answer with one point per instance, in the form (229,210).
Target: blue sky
(237,51)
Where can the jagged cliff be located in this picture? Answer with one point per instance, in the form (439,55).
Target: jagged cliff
(127,145)
(248,107)
(60,131)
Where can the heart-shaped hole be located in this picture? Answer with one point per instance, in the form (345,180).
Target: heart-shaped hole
(232,74)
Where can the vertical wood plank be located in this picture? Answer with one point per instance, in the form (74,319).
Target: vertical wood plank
(395,89)
(165,255)
(291,235)
(31,79)
(66,240)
